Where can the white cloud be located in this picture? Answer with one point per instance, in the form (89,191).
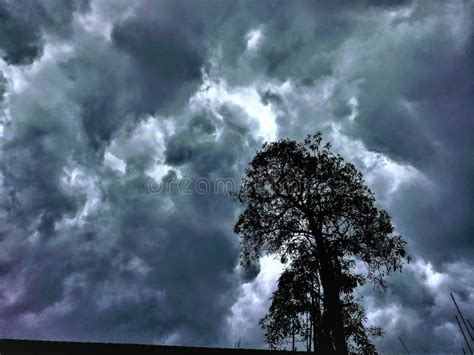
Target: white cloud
(254,39)
(114,163)
(215,93)
(145,140)
(354,105)
(78,182)
(103,15)
(253,301)
(384,175)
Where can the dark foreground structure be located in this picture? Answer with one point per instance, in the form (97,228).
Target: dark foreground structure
(33,347)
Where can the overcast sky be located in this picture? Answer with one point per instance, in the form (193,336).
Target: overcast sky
(101,100)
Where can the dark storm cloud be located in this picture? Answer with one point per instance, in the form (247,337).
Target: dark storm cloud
(417,107)
(23,25)
(88,253)
(414,98)
(164,53)
(100,233)
(414,106)
(63,122)
(419,298)
(3,88)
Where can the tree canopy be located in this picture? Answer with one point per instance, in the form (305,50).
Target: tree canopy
(308,206)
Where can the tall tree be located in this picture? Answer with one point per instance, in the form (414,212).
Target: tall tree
(302,197)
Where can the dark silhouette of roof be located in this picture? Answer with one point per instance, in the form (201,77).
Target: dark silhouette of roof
(33,347)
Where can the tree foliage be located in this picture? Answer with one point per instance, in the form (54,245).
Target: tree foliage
(307,205)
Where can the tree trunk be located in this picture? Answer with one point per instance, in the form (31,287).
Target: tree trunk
(331,296)
(334,317)
(310,333)
(315,337)
(293,335)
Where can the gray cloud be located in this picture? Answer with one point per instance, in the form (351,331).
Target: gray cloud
(24,25)
(103,97)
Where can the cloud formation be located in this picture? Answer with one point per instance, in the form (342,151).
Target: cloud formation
(98,99)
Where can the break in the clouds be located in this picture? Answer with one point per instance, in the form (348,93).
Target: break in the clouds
(98,99)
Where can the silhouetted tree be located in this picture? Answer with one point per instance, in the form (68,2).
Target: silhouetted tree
(305,204)
(296,304)
(296,310)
